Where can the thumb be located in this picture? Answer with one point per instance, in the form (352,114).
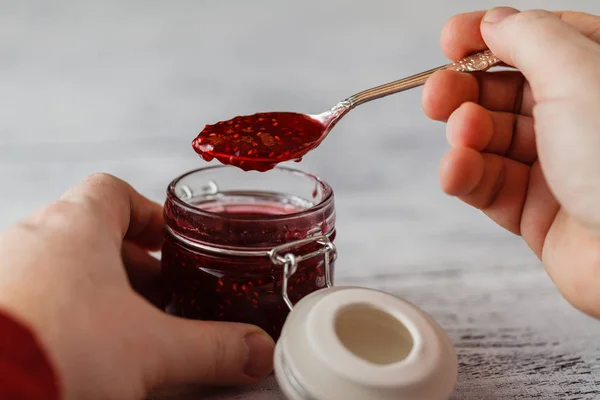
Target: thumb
(211,353)
(563,69)
(557,60)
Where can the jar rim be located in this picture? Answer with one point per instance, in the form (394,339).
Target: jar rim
(324,202)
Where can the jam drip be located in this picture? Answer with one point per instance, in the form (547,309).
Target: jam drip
(260,141)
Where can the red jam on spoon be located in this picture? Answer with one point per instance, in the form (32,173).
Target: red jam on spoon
(260,141)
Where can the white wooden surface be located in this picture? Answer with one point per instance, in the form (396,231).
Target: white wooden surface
(123,87)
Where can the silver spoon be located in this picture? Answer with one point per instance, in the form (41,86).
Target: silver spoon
(260,141)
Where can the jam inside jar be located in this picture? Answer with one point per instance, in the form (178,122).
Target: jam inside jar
(221,225)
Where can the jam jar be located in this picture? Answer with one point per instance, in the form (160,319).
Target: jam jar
(246,246)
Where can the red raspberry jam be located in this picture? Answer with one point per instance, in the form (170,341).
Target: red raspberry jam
(260,141)
(221,223)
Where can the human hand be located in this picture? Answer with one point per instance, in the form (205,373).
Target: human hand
(69,272)
(526,145)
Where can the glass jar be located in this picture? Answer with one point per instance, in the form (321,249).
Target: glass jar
(245,246)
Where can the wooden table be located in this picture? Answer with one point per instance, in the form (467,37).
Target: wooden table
(124,86)
(515,337)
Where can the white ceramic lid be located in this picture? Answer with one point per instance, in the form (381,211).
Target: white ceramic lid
(357,343)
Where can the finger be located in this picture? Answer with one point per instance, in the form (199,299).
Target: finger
(498,188)
(545,49)
(212,353)
(143,271)
(505,134)
(445,91)
(128,214)
(461,171)
(587,24)
(461,35)
(496,91)
(539,211)
(502,91)
(562,67)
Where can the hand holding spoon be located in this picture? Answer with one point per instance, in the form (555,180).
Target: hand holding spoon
(261,141)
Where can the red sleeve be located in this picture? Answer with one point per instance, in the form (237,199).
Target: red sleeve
(25,371)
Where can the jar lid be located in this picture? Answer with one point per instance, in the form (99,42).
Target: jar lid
(358,343)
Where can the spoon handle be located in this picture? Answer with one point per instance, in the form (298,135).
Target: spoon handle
(475,62)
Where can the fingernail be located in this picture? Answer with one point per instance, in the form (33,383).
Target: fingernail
(260,354)
(497,14)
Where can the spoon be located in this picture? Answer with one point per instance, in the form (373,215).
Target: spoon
(261,141)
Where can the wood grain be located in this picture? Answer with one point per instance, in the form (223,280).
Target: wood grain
(515,337)
(124,86)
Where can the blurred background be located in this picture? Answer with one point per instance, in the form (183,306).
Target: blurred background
(124,86)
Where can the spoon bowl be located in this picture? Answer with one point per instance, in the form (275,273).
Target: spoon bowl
(261,141)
